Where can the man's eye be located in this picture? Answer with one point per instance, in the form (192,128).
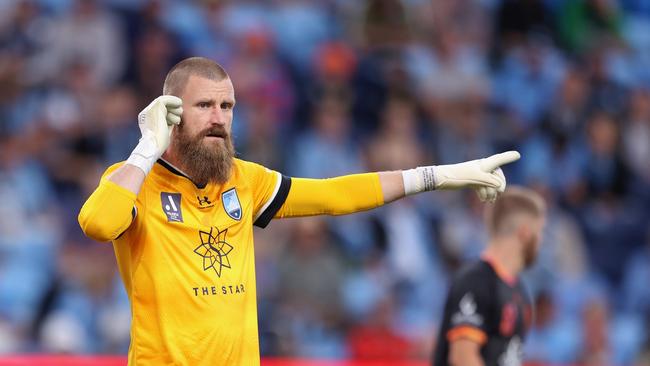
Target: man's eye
(204,105)
(226,105)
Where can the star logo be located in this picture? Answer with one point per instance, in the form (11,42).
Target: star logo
(214,250)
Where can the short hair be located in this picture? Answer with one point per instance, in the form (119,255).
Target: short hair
(177,77)
(513,203)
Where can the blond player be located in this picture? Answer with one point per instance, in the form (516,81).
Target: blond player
(488,310)
(180,213)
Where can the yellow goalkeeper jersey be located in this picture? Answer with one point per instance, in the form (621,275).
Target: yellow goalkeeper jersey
(187,262)
(186,257)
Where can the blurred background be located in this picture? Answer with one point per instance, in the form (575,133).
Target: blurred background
(333,87)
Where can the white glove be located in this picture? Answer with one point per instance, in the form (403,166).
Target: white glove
(489,194)
(156,122)
(484,175)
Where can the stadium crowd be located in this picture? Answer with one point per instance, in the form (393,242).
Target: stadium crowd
(333,87)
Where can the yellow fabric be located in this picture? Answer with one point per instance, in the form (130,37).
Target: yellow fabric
(191,284)
(108,211)
(334,196)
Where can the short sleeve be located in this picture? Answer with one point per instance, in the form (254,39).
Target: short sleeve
(270,190)
(469,304)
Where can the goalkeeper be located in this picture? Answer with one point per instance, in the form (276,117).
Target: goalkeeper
(180,213)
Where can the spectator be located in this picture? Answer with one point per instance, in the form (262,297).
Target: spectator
(636,134)
(89,34)
(309,285)
(583,23)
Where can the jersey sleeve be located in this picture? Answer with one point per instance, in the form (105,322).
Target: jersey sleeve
(270,190)
(333,196)
(469,303)
(134,209)
(109,211)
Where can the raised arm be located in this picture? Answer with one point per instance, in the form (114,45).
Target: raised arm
(109,210)
(359,192)
(156,123)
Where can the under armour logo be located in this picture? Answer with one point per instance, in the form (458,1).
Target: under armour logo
(204,200)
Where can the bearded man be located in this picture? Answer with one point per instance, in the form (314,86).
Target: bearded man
(180,213)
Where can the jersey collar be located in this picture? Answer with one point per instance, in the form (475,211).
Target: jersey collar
(167,165)
(499,269)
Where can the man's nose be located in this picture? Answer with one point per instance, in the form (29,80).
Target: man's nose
(217,117)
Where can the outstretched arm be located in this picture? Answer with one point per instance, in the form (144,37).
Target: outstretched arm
(333,196)
(359,192)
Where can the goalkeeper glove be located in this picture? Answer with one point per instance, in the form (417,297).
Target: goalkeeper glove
(156,122)
(484,175)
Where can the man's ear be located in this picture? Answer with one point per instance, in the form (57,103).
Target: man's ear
(524,232)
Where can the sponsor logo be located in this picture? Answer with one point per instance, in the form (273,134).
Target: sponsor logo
(214,250)
(171,205)
(212,290)
(204,202)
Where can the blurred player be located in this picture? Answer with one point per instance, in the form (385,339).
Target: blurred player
(180,213)
(487,310)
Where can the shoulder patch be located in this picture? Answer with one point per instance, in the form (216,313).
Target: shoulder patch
(467,312)
(467,305)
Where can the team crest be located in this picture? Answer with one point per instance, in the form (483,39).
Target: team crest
(231,204)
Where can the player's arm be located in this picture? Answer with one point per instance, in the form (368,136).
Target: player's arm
(333,196)
(109,210)
(359,192)
(469,312)
(465,352)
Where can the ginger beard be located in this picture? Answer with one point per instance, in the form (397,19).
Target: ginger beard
(206,161)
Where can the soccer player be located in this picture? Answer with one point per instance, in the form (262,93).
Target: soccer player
(180,213)
(488,311)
